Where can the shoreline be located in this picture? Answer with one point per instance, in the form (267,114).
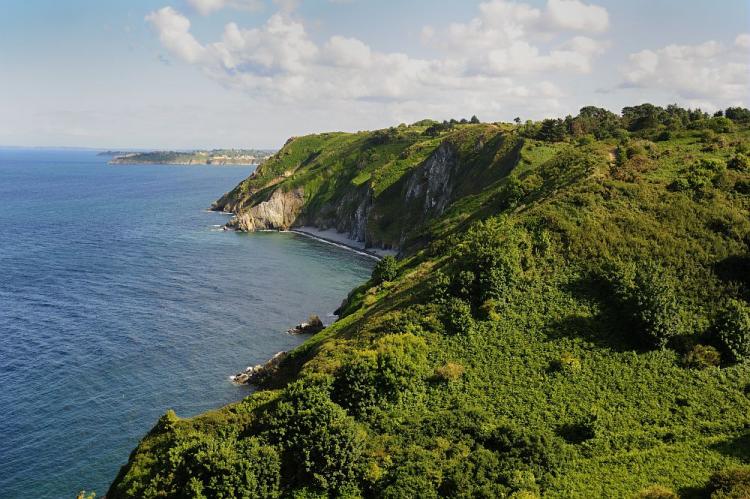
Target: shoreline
(331,236)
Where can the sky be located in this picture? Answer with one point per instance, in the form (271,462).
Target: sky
(185,74)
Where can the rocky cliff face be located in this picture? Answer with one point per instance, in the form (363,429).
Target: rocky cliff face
(430,183)
(279,212)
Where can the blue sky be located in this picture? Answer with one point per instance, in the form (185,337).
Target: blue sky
(250,73)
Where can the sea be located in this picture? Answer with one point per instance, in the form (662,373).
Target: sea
(121,297)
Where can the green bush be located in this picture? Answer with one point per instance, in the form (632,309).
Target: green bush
(456,315)
(739,162)
(322,444)
(702,356)
(730,483)
(492,252)
(647,297)
(733,330)
(700,177)
(372,378)
(385,270)
(568,363)
(204,466)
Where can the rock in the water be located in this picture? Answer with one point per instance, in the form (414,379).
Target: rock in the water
(258,373)
(312,326)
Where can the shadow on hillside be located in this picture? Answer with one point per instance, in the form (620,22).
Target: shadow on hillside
(738,447)
(607,328)
(736,269)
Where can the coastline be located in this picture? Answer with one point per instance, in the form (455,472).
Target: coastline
(331,236)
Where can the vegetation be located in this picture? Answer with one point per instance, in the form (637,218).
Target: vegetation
(572,322)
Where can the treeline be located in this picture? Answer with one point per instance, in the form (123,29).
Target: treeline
(658,121)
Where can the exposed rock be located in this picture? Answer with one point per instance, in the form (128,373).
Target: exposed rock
(258,373)
(279,212)
(431,181)
(312,326)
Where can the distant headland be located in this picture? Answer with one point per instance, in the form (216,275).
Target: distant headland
(217,157)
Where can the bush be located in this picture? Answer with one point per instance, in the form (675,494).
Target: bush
(320,440)
(456,316)
(699,177)
(733,330)
(730,483)
(206,467)
(372,378)
(449,371)
(492,252)
(385,270)
(568,363)
(739,162)
(702,356)
(656,492)
(648,298)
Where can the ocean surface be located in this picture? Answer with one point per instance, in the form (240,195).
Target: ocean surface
(120,298)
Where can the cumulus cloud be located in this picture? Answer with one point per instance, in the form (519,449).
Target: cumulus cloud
(710,74)
(206,7)
(488,62)
(174,33)
(575,15)
(504,37)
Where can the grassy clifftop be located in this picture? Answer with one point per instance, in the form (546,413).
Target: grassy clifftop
(569,319)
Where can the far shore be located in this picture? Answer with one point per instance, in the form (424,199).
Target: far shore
(332,236)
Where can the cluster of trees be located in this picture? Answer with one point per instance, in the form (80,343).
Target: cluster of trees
(603,124)
(437,128)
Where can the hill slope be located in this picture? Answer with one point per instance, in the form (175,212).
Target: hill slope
(568,318)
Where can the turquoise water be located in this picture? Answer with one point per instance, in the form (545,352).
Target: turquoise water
(119,299)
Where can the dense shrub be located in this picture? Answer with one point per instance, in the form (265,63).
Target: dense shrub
(739,162)
(456,315)
(322,444)
(702,356)
(207,467)
(491,252)
(568,363)
(372,378)
(647,297)
(730,483)
(700,178)
(733,330)
(385,270)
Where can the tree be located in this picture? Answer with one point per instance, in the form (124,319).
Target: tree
(552,130)
(648,299)
(738,114)
(385,270)
(733,330)
(474,120)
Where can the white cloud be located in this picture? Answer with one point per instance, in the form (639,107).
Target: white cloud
(743,40)
(205,7)
(488,63)
(505,37)
(711,73)
(174,33)
(576,15)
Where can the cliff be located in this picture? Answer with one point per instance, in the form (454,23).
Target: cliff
(382,188)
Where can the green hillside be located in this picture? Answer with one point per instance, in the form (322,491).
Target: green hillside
(568,318)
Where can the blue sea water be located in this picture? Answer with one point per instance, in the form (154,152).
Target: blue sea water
(120,299)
